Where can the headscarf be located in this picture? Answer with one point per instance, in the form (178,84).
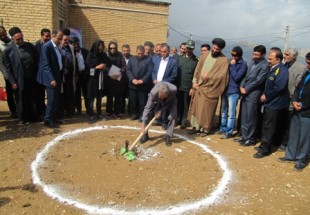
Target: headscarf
(95,57)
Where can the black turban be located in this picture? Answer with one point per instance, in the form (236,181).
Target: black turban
(14,30)
(219,42)
(238,51)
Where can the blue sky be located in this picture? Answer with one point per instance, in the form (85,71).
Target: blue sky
(255,21)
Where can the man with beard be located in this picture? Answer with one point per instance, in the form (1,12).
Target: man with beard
(11,97)
(67,99)
(251,89)
(81,75)
(21,67)
(209,82)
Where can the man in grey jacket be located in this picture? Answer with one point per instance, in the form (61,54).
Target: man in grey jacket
(251,89)
(295,71)
(163,97)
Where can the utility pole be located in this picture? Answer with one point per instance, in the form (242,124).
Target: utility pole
(287,35)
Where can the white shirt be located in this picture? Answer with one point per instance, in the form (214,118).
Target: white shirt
(162,69)
(80,60)
(58,56)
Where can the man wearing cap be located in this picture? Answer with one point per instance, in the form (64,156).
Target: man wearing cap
(165,69)
(11,97)
(237,70)
(21,67)
(186,68)
(209,82)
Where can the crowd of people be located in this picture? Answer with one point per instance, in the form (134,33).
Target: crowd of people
(178,88)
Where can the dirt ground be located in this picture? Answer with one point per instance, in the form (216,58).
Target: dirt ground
(88,168)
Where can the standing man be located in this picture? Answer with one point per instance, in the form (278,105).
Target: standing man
(149,48)
(67,99)
(45,37)
(209,82)
(296,71)
(237,71)
(182,51)
(21,67)
(186,69)
(163,93)
(165,69)
(204,48)
(81,75)
(126,55)
(139,72)
(275,101)
(5,41)
(298,146)
(251,89)
(50,74)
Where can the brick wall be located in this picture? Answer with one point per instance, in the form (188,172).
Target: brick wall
(127,21)
(131,22)
(30,15)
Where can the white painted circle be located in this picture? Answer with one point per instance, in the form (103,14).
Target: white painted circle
(98,209)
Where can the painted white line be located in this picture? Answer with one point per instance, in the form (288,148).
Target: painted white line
(55,193)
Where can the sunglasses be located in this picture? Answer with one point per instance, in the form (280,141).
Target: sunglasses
(112,48)
(234,55)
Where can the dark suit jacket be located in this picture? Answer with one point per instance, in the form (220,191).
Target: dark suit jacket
(171,71)
(48,66)
(153,98)
(14,67)
(254,81)
(140,69)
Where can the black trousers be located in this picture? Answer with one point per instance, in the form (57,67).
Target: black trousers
(183,106)
(275,123)
(138,101)
(98,104)
(81,88)
(249,117)
(11,97)
(27,109)
(67,97)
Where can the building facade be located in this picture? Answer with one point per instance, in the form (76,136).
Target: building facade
(127,21)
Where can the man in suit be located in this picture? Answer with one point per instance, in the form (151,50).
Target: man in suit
(165,69)
(50,75)
(21,67)
(163,93)
(275,99)
(40,89)
(81,75)
(139,72)
(251,89)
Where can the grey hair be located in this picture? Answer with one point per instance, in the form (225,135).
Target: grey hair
(293,52)
(164,89)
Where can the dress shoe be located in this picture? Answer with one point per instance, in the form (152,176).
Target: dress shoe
(193,131)
(219,132)
(168,141)
(239,139)
(282,148)
(225,136)
(259,155)
(23,123)
(59,122)
(51,124)
(248,143)
(134,117)
(144,138)
(182,126)
(299,167)
(164,126)
(285,160)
